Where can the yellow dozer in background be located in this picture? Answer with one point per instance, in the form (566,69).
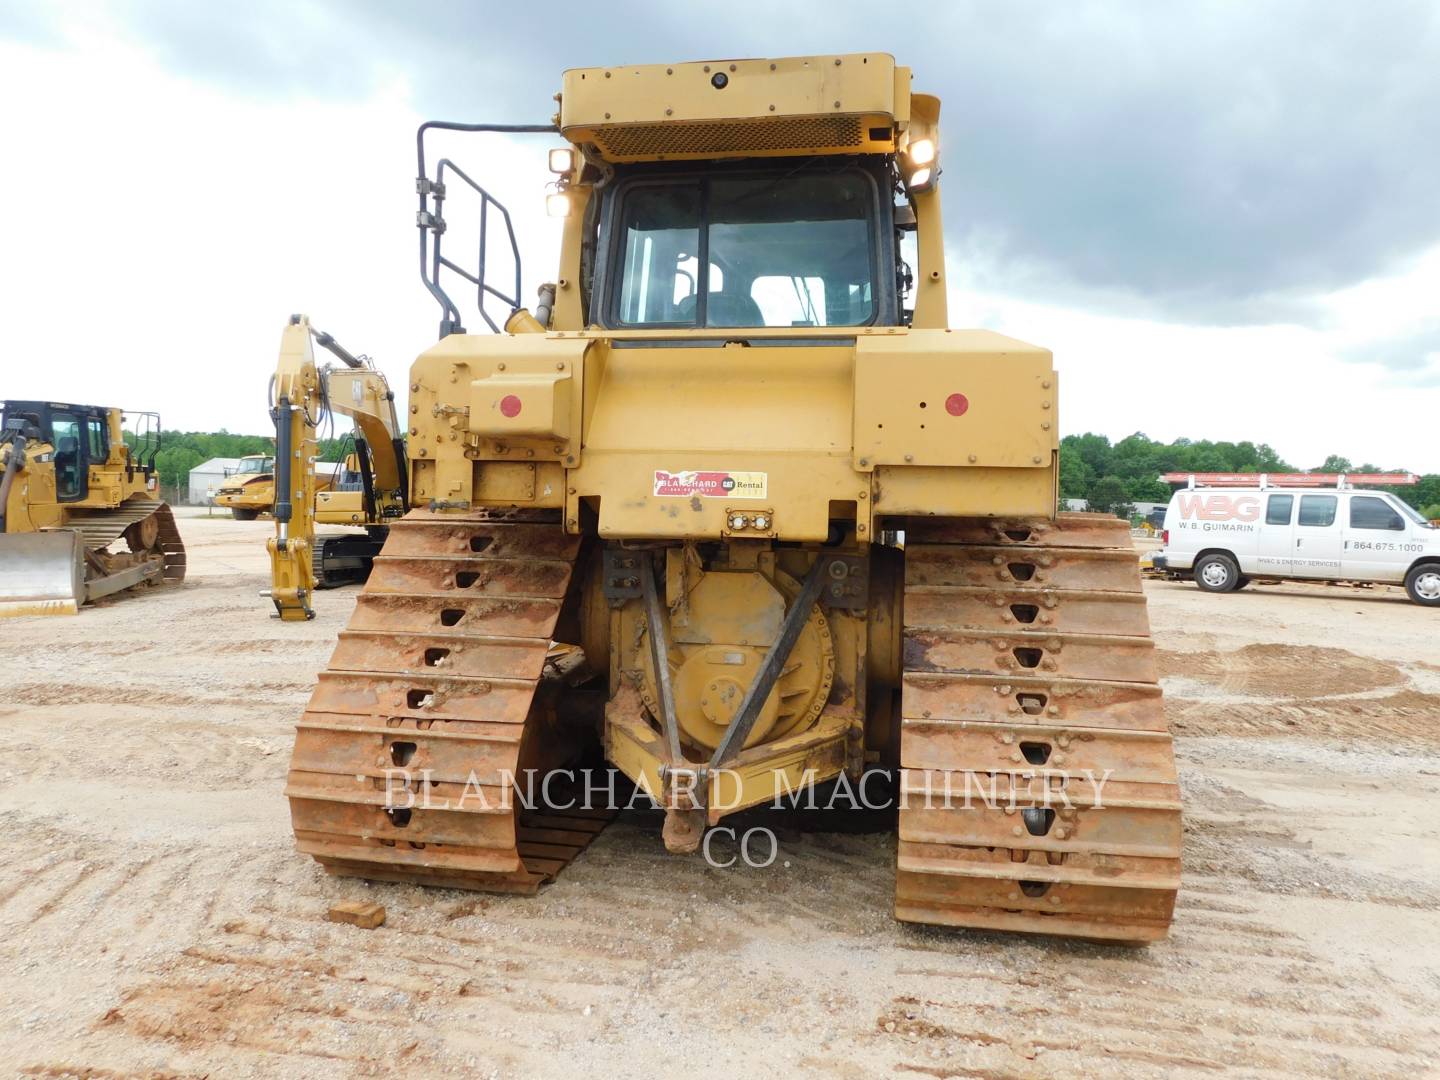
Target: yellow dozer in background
(800,531)
(81,511)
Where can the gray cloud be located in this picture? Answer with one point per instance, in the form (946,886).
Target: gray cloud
(1408,353)
(1212,162)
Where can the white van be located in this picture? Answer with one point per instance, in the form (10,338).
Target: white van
(1223,538)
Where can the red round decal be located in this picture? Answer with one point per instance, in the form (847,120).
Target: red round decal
(956,404)
(510,405)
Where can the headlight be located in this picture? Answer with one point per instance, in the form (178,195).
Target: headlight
(922,151)
(562,162)
(920,177)
(558,204)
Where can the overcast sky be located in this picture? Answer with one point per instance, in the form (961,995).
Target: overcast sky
(1223,218)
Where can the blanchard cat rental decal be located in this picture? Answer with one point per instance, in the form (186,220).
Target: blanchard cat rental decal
(711,484)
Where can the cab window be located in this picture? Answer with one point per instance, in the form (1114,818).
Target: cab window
(1279,509)
(790,249)
(96,439)
(1368,512)
(65,437)
(1317,510)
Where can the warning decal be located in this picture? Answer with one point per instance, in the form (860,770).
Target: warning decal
(712,485)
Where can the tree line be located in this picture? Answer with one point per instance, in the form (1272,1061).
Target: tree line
(1111,478)
(181,451)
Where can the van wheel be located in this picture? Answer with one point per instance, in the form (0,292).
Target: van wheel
(1217,573)
(1423,584)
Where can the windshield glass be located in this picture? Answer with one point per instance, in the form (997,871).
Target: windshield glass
(788,250)
(256,465)
(1410,512)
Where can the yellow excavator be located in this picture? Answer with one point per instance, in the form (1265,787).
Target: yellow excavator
(304,394)
(800,530)
(72,489)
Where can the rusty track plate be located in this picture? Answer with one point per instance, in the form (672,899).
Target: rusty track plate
(1076,569)
(1017,608)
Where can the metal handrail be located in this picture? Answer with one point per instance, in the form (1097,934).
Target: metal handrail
(431,222)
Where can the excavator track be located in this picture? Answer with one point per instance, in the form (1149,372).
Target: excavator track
(1038,781)
(435,698)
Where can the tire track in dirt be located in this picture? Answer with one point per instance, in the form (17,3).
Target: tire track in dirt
(1324,693)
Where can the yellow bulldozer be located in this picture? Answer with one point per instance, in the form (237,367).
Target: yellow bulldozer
(73,489)
(737,509)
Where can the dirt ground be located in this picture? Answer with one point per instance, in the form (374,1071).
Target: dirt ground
(156,921)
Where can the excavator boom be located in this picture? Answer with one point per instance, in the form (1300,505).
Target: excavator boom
(300,561)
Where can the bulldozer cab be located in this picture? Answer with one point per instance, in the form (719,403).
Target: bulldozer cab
(80,435)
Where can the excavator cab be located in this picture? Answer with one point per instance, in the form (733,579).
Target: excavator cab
(79,435)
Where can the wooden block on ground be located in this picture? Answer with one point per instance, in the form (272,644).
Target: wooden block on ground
(359,913)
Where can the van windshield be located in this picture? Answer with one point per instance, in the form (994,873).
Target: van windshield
(1411,513)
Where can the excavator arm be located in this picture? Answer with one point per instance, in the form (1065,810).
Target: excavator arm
(303,394)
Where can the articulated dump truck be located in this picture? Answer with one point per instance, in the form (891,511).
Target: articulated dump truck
(736,508)
(80,512)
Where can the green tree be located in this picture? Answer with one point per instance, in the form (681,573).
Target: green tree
(1075,475)
(1108,496)
(173,463)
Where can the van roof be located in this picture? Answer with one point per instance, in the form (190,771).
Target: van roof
(1256,488)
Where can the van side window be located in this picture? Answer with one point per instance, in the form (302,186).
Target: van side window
(1317,510)
(1278,509)
(1368,512)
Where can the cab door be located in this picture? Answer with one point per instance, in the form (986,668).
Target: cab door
(1318,537)
(72,462)
(1375,535)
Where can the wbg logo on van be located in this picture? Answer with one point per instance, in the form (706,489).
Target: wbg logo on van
(1222,512)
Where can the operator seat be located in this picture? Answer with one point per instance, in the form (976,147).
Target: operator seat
(724,309)
(67,462)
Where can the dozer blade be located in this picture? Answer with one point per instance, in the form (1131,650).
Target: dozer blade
(41,573)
